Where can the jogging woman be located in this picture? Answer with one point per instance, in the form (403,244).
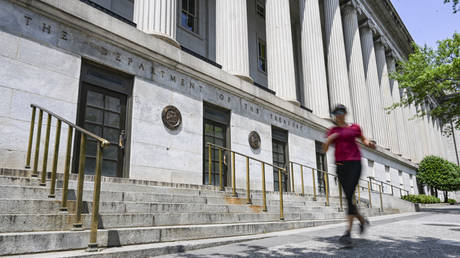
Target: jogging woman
(348,162)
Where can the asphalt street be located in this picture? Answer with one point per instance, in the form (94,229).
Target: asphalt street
(432,233)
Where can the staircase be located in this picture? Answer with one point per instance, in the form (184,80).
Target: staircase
(134,212)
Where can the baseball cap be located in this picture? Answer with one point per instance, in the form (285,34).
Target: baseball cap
(339,110)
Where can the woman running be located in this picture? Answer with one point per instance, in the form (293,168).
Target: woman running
(348,162)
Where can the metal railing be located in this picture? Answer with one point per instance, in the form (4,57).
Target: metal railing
(101,143)
(248,159)
(362,184)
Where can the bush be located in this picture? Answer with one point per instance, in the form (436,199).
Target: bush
(421,198)
(451,201)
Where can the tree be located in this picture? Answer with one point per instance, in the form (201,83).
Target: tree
(432,77)
(439,174)
(454,5)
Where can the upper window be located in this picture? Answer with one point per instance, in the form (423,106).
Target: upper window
(262,56)
(189,15)
(387,173)
(120,9)
(260,8)
(401,182)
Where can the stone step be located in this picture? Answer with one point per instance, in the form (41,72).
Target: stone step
(20,177)
(40,206)
(57,222)
(35,242)
(30,192)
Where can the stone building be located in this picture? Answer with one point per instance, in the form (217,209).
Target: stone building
(229,68)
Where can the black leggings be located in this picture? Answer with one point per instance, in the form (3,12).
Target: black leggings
(349,173)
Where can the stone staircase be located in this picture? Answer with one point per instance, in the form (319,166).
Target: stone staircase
(136,212)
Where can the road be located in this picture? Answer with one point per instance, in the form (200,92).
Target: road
(432,233)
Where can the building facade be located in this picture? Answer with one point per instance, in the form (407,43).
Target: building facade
(161,78)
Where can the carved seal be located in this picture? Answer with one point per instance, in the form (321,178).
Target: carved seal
(254,140)
(171,117)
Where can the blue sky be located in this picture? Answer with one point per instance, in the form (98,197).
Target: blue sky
(428,20)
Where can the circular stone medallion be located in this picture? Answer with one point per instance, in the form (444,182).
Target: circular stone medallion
(171,117)
(254,140)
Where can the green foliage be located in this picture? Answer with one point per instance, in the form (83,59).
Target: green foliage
(439,173)
(432,78)
(451,201)
(454,5)
(421,198)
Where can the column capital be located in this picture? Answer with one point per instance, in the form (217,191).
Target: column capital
(368,24)
(350,6)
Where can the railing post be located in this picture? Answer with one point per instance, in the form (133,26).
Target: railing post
(392,192)
(221,185)
(31,137)
(66,170)
(45,152)
(264,194)
(381,199)
(92,246)
(314,184)
(37,144)
(209,164)
(340,197)
(326,187)
(292,177)
(369,191)
(81,177)
(359,194)
(301,176)
(248,183)
(55,159)
(280,184)
(233,176)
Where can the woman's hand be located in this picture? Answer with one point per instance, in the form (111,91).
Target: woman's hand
(370,144)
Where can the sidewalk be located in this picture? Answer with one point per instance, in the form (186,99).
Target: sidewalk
(433,233)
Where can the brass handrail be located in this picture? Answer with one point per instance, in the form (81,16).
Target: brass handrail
(385,183)
(101,143)
(280,170)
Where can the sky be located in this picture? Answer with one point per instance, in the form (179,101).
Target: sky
(428,20)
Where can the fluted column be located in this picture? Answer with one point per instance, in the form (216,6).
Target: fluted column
(313,65)
(157,17)
(401,123)
(385,91)
(339,89)
(356,77)
(280,54)
(232,48)
(372,82)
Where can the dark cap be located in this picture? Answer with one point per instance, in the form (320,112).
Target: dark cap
(339,110)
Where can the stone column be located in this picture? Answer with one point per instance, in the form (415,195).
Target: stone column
(339,89)
(372,82)
(313,65)
(157,17)
(401,123)
(280,53)
(356,77)
(232,37)
(385,92)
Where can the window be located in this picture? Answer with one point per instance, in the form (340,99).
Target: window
(260,8)
(387,173)
(280,157)
(401,182)
(370,164)
(120,9)
(262,56)
(189,15)
(411,182)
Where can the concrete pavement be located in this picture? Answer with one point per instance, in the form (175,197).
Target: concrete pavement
(431,233)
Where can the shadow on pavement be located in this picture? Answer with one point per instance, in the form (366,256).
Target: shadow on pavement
(384,247)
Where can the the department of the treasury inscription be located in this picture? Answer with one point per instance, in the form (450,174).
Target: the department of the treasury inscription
(254,140)
(171,117)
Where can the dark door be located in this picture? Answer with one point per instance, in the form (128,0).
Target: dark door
(104,115)
(215,133)
(279,159)
(320,165)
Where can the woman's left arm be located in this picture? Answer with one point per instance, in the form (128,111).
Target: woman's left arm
(367,142)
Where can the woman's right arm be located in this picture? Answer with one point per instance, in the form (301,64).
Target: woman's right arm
(329,140)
